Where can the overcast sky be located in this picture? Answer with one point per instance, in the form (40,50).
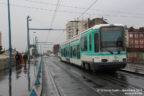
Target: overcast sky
(127,12)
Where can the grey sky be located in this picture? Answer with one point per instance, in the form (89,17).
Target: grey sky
(127,12)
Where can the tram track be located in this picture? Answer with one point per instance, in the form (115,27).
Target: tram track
(58,91)
(123,84)
(115,80)
(132,74)
(92,85)
(120,84)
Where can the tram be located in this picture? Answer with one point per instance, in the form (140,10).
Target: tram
(101,47)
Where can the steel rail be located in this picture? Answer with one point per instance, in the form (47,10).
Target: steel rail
(85,83)
(59,93)
(121,83)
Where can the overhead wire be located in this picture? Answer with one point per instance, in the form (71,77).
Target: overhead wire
(55,13)
(70,12)
(53,17)
(64,11)
(54,4)
(88,8)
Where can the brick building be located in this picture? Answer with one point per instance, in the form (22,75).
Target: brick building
(56,49)
(135,49)
(136,39)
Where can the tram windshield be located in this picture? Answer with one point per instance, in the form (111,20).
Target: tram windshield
(112,39)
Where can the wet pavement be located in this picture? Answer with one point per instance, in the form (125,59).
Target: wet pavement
(61,79)
(19,81)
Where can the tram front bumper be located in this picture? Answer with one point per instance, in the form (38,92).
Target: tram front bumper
(108,65)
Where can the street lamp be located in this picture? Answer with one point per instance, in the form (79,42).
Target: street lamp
(28,47)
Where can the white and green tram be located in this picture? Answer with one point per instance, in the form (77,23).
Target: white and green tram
(101,47)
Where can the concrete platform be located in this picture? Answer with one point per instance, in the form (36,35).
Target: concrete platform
(135,68)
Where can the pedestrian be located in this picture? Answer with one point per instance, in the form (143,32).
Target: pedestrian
(20,59)
(17,58)
(25,57)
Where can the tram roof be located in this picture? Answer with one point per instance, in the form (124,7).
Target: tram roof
(77,37)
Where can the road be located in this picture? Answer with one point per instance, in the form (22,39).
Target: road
(61,79)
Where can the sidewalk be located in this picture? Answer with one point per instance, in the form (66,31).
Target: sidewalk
(135,67)
(19,83)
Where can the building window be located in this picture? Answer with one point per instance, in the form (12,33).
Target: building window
(136,35)
(141,35)
(84,44)
(136,46)
(141,46)
(131,42)
(131,35)
(131,46)
(141,41)
(136,41)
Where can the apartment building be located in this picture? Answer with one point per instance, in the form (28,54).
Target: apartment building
(76,27)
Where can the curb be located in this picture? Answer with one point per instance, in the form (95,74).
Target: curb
(37,87)
(132,72)
(135,69)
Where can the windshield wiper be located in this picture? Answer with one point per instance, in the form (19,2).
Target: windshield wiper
(109,51)
(119,51)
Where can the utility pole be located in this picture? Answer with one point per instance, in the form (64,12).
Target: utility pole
(35,44)
(28,47)
(10,49)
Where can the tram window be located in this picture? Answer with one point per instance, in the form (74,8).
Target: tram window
(74,50)
(67,51)
(78,51)
(70,51)
(84,44)
(90,42)
(61,53)
(64,52)
(96,43)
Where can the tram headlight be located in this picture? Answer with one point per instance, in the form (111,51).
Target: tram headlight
(124,59)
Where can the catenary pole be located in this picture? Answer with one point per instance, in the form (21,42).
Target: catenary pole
(10,49)
(28,47)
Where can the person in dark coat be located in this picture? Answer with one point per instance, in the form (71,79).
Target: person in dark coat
(25,58)
(17,57)
(20,59)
